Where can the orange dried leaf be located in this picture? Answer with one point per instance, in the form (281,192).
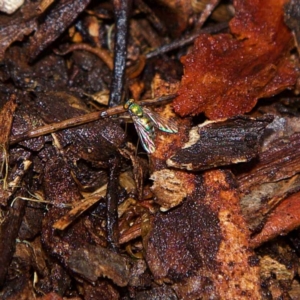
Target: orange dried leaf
(226,74)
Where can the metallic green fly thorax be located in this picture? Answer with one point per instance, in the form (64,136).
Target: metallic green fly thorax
(136,110)
(144,121)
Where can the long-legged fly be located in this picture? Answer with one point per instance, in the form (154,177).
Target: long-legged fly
(145,120)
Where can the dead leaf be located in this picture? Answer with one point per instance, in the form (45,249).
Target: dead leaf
(226,74)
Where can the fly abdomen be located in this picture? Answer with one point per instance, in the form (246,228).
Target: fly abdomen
(147,124)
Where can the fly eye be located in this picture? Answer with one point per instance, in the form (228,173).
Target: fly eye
(128,103)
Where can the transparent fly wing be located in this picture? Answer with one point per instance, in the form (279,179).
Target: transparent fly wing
(160,122)
(146,136)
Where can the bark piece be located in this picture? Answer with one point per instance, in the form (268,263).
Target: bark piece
(75,246)
(95,141)
(261,200)
(27,118)
(271,266)
(295,289)
(159,293)
(278,268)
(202,246)
(103,290)
(80,208)
(280,161)
(291,18)
(215,144)
(140,168)
(20,287)
(15,30)
(55,23)
(60,188)
(8,233)
(32,222)
(175,14)
(270,180)
(6,119)
(171,187)
(283,219)
(112,197)
(92,262)
(225,75)
(39,258)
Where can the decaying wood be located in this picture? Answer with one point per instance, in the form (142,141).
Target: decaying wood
(212,213)
(282,220)
(10,225)
(122,10)
(171,187)
(210,216)
(215,144)
(80,208)
(56,21)
(17,29)
(272,179)
(291,17)
(100,262)
(112,197)
(276,265)
(6,119)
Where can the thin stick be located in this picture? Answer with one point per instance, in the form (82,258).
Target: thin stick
(209,7)
(80,208)
(151,16)
(87,118)
(112,197)
(102,53)
(185,40)
(122,10)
